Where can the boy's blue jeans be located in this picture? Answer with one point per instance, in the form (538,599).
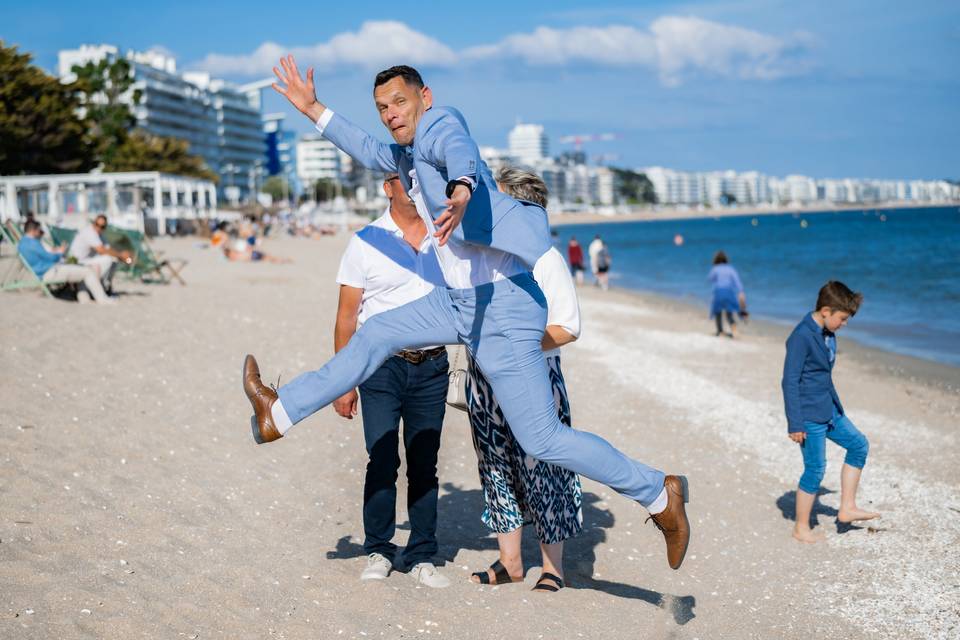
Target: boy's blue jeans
(814,448)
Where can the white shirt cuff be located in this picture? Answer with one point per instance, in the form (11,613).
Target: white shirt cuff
(324,119)
(470,181)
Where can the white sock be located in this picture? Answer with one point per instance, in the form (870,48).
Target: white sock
(280,418)
(657,506)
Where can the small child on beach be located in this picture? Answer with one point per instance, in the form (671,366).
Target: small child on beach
(814,412)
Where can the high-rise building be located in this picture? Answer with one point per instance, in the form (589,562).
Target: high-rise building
(281,155)
(214,117)
(317,159)
(528,143)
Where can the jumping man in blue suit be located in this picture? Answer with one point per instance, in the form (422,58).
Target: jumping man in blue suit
(487,243)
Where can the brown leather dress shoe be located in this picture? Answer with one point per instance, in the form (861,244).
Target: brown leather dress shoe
(262,398)
(673,522)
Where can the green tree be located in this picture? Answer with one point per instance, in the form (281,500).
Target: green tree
(104,88)
(634,187)
(276,187)
(40,131)
(142,151)
(324,189)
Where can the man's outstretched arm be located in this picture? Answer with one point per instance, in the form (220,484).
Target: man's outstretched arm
(351,139)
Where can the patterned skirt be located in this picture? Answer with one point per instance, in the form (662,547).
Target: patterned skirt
(519,490)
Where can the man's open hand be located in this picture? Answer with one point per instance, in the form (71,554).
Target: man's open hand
(301,94)
(451,217)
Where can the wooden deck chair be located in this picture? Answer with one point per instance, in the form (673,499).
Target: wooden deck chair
(146,260)
(17,274)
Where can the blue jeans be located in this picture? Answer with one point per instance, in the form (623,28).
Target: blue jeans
(417,394)
(501,324)
(814,448)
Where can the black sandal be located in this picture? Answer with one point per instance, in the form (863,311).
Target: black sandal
(500,574)
(542,586)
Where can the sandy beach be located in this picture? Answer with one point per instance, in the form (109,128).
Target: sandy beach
(134,503)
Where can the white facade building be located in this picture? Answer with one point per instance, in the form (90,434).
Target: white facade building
(528,143)
(318,159)
(215,118)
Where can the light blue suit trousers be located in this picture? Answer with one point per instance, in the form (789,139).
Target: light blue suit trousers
(502,325)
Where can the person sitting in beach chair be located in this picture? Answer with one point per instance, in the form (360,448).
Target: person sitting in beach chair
(49,266)
(89,249)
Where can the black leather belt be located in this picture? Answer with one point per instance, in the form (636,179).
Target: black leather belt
(416,357)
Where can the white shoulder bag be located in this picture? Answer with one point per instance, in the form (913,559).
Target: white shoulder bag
(457,383)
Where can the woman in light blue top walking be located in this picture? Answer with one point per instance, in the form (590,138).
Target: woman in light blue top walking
(728,295)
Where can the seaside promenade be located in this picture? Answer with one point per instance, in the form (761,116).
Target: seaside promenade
(133,502)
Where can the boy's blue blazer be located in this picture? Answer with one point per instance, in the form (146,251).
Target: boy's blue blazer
(442,151)
(808,391)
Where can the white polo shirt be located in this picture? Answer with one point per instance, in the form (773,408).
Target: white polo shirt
(391,274)
(85,243)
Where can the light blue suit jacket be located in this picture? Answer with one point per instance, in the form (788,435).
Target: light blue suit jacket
(442,151)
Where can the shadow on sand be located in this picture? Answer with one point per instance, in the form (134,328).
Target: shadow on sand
(787,503)
(459,528)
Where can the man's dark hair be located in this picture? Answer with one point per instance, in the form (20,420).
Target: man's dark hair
(720,258)
(410,75)
(839,297)
(30,225)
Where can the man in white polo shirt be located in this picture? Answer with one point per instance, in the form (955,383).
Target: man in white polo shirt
(89,249)
(387,264)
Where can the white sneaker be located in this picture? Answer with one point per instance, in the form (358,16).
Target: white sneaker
(84,297)
(426,573)
(378,567)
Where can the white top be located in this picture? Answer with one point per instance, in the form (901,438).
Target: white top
(464,265)
(379,261)
(85,243)
(553,276)
(596,246)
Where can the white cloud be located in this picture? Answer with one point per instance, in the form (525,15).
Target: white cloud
(673,47)
(613,45)
(377,44)
(688,43)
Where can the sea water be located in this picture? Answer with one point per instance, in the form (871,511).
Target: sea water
(906,262)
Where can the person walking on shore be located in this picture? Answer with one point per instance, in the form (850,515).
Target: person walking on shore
(517,488)
(728,295)
(486,242)
(814,412)
(411,385)
(575,258)
(593,250)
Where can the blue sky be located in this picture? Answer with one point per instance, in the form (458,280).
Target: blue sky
(828,89)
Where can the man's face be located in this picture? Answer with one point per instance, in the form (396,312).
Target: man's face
(400,202)
(400,106)
(100,224)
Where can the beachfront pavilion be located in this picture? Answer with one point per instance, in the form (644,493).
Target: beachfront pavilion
(148,201)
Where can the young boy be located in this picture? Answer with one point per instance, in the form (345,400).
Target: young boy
(813,408)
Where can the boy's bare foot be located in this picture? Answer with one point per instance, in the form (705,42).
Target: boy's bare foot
(855,515)
(808,536)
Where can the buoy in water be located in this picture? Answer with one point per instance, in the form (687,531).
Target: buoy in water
(883,217)
(803,224)
(678,240)
(754,222)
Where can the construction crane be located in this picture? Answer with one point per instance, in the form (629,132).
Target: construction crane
(578,140)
